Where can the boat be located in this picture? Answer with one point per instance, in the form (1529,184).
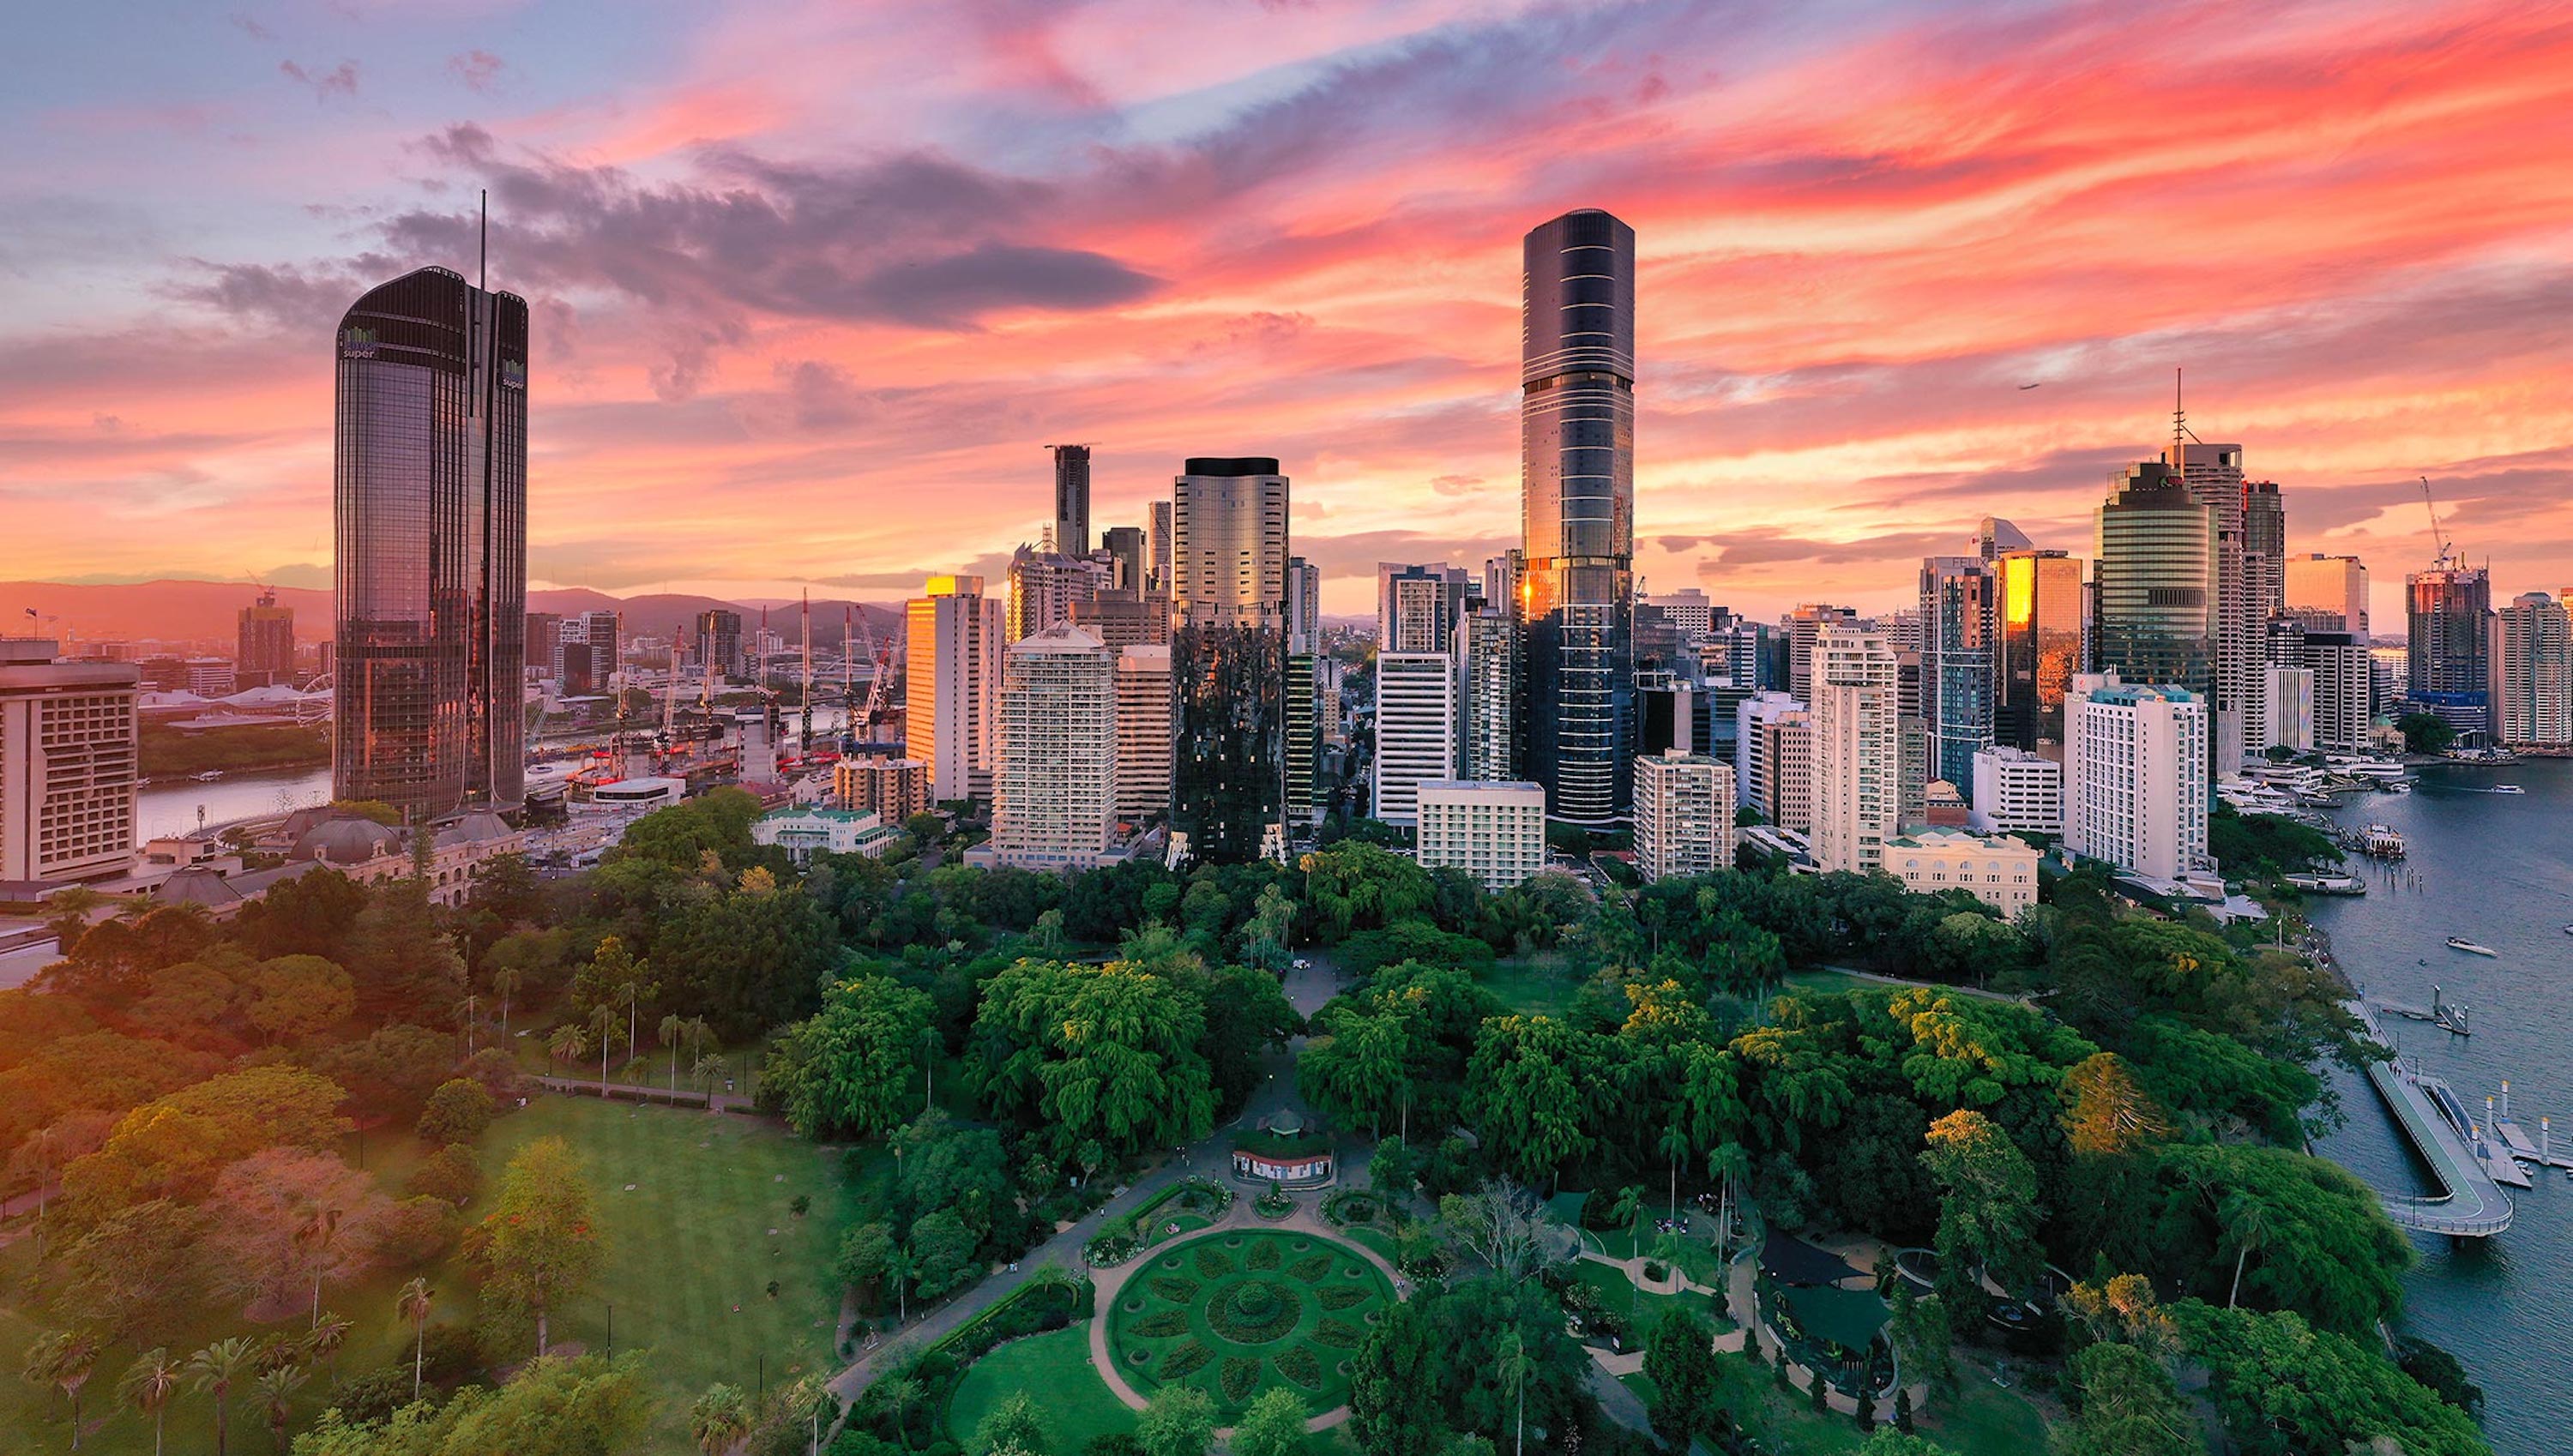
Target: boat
(2568,930)
(207,777)
(2381,841)
(2460,943)
(2328,884)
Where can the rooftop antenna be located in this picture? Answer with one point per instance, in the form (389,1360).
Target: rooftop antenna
(483,265)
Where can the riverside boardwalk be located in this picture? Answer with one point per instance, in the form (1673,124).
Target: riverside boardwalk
(2471,1204)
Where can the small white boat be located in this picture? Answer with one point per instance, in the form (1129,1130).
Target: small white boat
(2460,943)
(207,777)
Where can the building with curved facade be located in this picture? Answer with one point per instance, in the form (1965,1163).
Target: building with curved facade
(430,508)
(1577,509)
(2156,583)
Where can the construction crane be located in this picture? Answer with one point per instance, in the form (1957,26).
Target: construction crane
(878,685)
(2438,537)
(804,699)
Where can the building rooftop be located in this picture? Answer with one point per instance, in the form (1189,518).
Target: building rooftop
(1955,840)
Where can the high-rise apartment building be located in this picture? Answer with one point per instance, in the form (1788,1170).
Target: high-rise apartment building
(1143,733)
(68,751)
(892,788)
(1125,548)
(1858,749)
(1773,773)
(1490,695)
(1800,629)
(1229,558)
(1690,610)
(1053,793)
(1683,815)
(1418,606)
(1958,599)
(2154,588)
(1303,738)
(584,655)
(2536,672)
(1494,832)
(2040,612)
(1415,729)
(264,645)
(2449,652)
(952,640)
(1304,605)
(1071,499)
(2344,709)
(1045,588)
(2286,710)
(2135,776)
(430,573)
(2327,594)
(718,647)
(1122,618)
(1577,516)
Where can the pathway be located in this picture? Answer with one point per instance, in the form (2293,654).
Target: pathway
(645,1093)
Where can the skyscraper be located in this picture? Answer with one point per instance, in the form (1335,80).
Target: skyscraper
(2040,616)
(2154,583)
(1857,750)
(1053,793)
(1070,498)
(1956,622)
(266,650)
(1125,548)
(1045,588)
(1156,546)
(1304,605)
(1802,626)
(68,755)
(2536,672)
(1490,693)
(1143,732)
(1415,729)
(2135,761)
(2214,475)
(952,639)
(2448,650)
(1229,556)
(2327,594)
(430,508)
(718,642)
(1577,481)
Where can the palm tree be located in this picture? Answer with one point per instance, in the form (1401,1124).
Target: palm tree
(414,1302)
(64,1362)
(720,1419)
(1728,1165)
(672,1026)
(277,1392)
(1514,1366)
(902,1395)
(147,1385)
(1676,1145)
(709,1068)
(216,1369)
(567,1042)
(633,993)
(505,980)
(902,1268)
(317,1237)
(2246,1223)
(603,1020)
(1626,1210)
(329,1333)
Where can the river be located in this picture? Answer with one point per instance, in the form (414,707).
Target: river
(2498,870)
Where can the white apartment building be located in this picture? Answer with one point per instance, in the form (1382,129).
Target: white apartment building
(67,764)
(1493,831)
(2135,776)
(1415,729)
(1858,748)
(2533,661)
(1142,733)
(1999,870)
(1689,611)
(1683,815)
(1751,768)
(952,700)
(2286,708)
(1054,798)
(2017,791)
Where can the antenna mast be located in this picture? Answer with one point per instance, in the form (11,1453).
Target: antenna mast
(805,702)
(483,266)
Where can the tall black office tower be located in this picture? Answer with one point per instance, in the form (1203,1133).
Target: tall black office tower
(429,503)
(1577,509)
(1071,499)
(1228,649)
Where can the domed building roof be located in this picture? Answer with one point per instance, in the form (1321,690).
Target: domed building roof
(347,841)
(476,827)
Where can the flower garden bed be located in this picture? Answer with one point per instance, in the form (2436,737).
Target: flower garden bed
(1233,1313)
(1181,1210)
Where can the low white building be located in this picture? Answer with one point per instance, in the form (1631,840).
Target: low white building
(1999,870)
(2017,791)
(2134,777)
(805,832)
(1492,830)
(1683,815)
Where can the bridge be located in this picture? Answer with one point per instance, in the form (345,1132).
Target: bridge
(2471,1204)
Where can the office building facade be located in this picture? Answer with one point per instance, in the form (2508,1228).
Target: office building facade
(1415,729)
(1494,832)
(952,637)
(2041,621)
(1143,733)
(1053,793)
(2155,588)
(2017,791)
(1046,587)
(718,647)
(1577,481)
(1857,749)
(1683,815)
(1229,558)
(892,788)
(1955,641)
(2327,594)
(2448,649)
(430,573)
(1071,499)
(68,764)
(2135,776)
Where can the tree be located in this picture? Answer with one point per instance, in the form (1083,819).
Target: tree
(276,1389)
(147,1385)
(1394,1389)
(459,1112)
(1273,1424)
(1012,1423)
(942,1251)
(1680,1362)
(2425,733)
(567,1042)
(140,1266)
(296,997)
(540,1245)
(1988,1213)
(326,1338)
(64,1361)
(554,1408)
(865,1253)
(720,1419)
(847,1072)
(746,959)
(1102,1060)
(1180,1421)
(2129,1406)
(1512,1363)
(414,1304)
(602,1025)
(1505,1226)
(215,1370)
(1524,1092)
(288,1220)
(2107,1112)
(2283,1386)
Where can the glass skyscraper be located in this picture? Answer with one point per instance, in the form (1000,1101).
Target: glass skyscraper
(2039,621)
(429,505)
(2448,646)
(2154,622)
(1957,620)
(1228,658)
(1577,474)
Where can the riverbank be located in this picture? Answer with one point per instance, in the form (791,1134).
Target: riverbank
(166,752)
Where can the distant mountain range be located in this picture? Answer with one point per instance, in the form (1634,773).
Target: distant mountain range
(208,612)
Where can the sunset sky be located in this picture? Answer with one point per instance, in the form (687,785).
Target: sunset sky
(814,281)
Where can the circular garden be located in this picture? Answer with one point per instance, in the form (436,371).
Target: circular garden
(1233,1313)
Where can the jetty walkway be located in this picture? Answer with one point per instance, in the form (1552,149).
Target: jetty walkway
(2471,1204)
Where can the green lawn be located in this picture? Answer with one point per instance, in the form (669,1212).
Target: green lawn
(693,1245)
(1055,1368)
(1538,985)
(1982,1419)
(1831,982)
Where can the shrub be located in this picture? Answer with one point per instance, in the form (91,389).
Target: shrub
(457,1111)
(1116,1445)
(1161,1324)
(370,1399)
(1656,1271)
(1255,1312)
(1339,1333)
(1265,1255)
(1299,1366)
(1212,1262)
(1184,1359)
(450,1174)
(1241,1377)
(1310,1269)
(1176,1288)
(1341,1296)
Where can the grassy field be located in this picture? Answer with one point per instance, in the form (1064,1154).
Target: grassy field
(168,751)
(1537,985)
(1055,1368)
(695,1212)
(1979,1420)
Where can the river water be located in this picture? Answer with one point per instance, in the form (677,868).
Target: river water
(2498,870)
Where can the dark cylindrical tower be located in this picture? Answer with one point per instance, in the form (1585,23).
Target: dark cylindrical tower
(1577,474)
(429,503)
